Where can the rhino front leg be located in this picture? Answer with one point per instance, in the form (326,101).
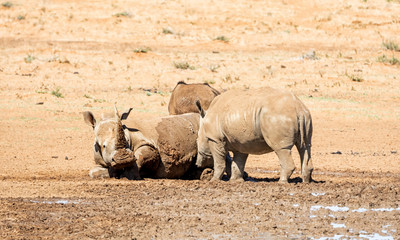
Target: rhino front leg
(132,173)
(287,164)
(219,155)
(99,172)
(148,160)
(238,163)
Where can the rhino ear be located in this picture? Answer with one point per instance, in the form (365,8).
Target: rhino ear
(125,115)
(201,110)
(89,118)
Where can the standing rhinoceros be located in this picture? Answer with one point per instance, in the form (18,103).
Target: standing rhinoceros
(161,147)
(255,122)
(184,96)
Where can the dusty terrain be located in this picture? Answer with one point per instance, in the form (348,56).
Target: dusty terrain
(60,58)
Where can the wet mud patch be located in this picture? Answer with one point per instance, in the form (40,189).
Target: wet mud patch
(157,208)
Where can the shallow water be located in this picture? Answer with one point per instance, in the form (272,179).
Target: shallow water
(386,230)
(60,201)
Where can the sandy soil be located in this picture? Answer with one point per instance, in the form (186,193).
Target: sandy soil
(60,58)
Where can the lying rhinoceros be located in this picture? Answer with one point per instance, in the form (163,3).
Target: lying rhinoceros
(184,96)
(255,122)
(161,147)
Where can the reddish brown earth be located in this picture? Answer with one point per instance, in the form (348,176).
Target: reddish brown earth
(85,52)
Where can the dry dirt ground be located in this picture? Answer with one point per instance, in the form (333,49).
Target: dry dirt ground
(60,58)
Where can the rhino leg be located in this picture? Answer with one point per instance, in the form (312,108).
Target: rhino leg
(99,172)
(287,164)
(148,161)
(306,164)
(219,155)
(228,165)
(238,163)
(131,173)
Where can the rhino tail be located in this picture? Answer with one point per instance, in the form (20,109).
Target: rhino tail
(305,127)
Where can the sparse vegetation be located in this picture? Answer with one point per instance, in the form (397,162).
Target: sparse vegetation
(7,4)
(21,17)
(389,45)
(29,58)
(58,59)
(213,68)
(355,78)
(209,81)
(352,77)
(183,65)
(57,93)
(229,79)
(123,14)
(167,31)
(40,91)
(391,61)
(222,38)
(87,96)
(142,50)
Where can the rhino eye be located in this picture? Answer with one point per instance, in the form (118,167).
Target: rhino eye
(104,146)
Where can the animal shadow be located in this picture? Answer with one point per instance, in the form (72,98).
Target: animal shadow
(292,180)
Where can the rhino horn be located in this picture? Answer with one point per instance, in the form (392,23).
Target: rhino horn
(119,132)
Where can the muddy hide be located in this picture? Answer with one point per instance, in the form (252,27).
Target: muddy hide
(177,145)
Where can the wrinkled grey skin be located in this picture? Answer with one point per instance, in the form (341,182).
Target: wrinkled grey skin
(255,122)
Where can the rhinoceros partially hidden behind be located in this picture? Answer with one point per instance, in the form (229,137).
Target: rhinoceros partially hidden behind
(184,96)
(255,122)
(160,147)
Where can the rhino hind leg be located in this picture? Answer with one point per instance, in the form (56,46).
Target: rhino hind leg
(238,164)
(287,164)
(306,164)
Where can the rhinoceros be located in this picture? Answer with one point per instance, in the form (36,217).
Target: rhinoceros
(255,122)
(184,96)
(160,147)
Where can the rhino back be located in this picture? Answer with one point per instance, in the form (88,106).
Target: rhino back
(184,96)
(177,144)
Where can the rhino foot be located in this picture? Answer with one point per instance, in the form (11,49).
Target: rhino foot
(207,174)
(238,180)
(285,181)
(99,172)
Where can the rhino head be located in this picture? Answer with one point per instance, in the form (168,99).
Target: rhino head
(111,143)
(204,156)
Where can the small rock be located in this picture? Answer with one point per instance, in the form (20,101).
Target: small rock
(337,152)
(310,55)
(54,156)
(39,103)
